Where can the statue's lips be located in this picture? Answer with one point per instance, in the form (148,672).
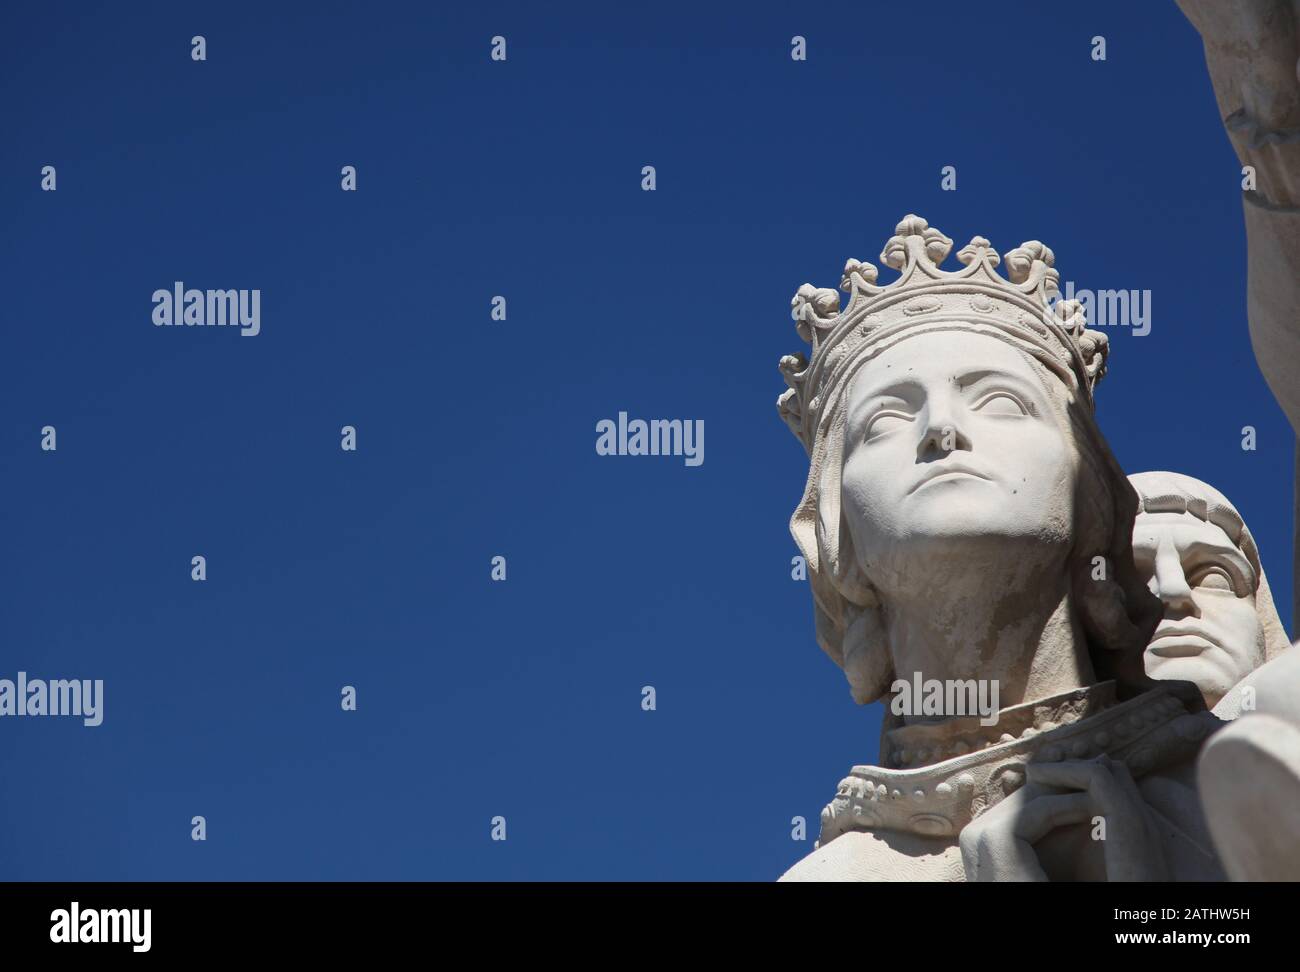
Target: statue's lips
(1183,641)
(948,473)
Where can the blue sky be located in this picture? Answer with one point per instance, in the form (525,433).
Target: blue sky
(476,437)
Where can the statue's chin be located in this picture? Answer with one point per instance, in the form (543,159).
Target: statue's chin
(965,510)
(951,556)
(1209,671)
(976,529)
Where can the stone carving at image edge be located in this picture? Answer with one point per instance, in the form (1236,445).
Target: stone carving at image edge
(1251,53)
(1222,632)
(1199,558)
(959,501)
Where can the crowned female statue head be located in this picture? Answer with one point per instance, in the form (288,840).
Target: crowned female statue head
(1196,554)
(963,516)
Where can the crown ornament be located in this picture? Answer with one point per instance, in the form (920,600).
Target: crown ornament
(1018,307)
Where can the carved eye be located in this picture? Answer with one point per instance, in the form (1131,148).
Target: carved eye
(882,423)
(1000,403)
(1213,578)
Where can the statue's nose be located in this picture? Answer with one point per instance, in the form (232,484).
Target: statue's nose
(943,433)
(1172,586)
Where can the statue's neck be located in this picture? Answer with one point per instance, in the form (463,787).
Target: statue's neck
(1023,635)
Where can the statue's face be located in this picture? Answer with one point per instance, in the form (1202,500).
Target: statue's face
(950,436)
(1210,631)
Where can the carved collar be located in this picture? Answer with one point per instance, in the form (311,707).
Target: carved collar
(950,772)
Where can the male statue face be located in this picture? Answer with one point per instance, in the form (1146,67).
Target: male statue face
(950,437)
(1210,631)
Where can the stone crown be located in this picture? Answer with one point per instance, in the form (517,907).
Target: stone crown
(924,293)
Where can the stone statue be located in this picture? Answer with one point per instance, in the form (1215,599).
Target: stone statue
(963,522)
(1249,772)
(1196,554)
(1251,50)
